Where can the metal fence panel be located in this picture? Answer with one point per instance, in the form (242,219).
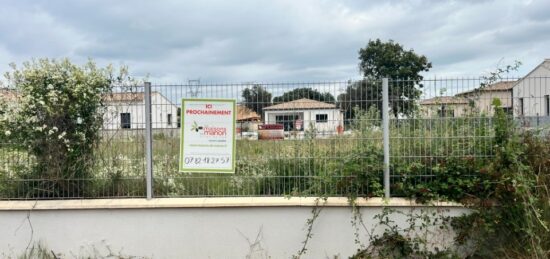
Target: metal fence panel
(333,137)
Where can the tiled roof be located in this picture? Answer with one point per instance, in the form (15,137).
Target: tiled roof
(124,97)
(246,114)
(301,104)
(444,100)
(499,86)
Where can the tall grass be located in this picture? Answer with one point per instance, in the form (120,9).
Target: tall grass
(311,166)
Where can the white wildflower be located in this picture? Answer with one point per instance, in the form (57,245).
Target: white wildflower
(41,102)
(7,133)
(62,135)
(50,87)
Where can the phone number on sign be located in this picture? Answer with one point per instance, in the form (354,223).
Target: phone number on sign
(201,160)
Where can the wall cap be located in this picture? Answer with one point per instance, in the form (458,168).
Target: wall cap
(221,202)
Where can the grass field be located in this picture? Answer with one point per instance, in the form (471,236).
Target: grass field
(309,166)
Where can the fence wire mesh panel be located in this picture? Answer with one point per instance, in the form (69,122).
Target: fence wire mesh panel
(313,138)
(291,140)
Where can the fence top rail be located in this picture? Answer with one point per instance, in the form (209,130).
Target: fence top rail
(347,81)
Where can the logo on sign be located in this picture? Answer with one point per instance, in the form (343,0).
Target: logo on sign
(209,131)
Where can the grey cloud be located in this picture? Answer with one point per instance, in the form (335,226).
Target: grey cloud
(271,40)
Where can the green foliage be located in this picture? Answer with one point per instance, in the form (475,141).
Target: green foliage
(360,96)
(386,59)
(57,119)
(256,98)
(516,221)
(305,92)
(389,59)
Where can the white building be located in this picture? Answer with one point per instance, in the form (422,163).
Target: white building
(301,114)
(127,110)
(531,94)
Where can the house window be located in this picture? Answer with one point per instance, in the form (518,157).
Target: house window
(125,120)
(321,118)
(547,104)
(287,121)
(169,119)
(445,112)
(521,110)
(507,110)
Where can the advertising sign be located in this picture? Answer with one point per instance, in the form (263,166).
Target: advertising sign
(207,136)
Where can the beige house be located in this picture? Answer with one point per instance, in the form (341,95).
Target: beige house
(482,97)
(247,119)
(444,107)
(299,115)
(531,94)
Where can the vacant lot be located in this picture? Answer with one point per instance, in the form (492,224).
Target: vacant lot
(309,166)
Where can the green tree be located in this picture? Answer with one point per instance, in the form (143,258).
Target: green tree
(386,59)
(360,96)
(304,92)
(57,121)
(256,98)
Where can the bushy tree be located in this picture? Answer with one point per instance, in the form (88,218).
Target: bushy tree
(57,121)
(386,59)
(256,98)
(304,92)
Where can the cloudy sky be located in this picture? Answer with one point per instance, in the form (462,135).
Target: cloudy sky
(277,40)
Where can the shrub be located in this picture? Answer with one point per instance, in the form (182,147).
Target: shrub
(57,121)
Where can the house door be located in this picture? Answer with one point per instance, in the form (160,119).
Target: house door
(288,121)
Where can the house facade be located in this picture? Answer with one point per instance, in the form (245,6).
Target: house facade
(247,120)
(127,111)
(444,107)
(531,94)
(482,98)
(301,114)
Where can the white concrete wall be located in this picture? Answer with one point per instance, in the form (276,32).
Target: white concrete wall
(195,228)
(532,89)
(161,107)
(160,110)
(111,118)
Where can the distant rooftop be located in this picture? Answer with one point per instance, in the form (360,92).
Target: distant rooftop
(499,86)
(444,100)
(246,114)
(126,96)
(301,104)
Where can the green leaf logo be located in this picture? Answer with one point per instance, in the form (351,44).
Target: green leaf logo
(195,127)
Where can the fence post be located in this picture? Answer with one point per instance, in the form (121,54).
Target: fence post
(386,136)
(148,141)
